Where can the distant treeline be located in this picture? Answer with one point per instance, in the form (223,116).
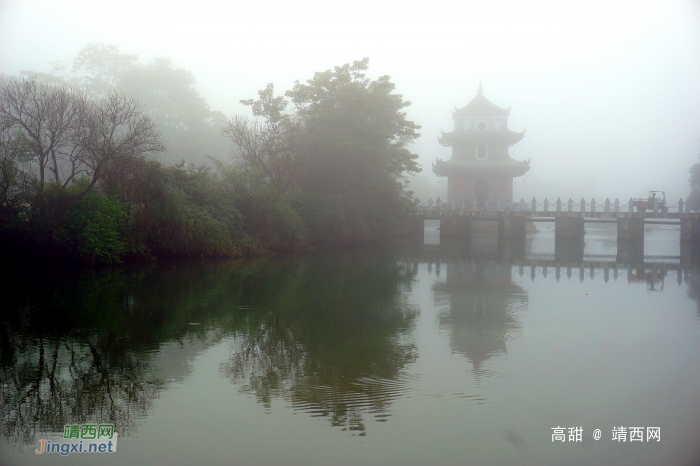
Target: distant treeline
(81,180)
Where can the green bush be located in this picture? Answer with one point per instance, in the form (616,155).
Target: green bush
(184,211)
(92,228)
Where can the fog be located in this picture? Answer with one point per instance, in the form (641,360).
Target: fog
(607,91)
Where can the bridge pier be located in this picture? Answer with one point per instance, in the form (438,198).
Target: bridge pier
(690,230)
(690,253)
(568,250)
(630,229)
(511,249)
(630,252)
(511,227)
(411,227)
(690,241)
(569,228)
(630,240)
(455,227)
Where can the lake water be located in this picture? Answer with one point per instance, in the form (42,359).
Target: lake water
(406,356)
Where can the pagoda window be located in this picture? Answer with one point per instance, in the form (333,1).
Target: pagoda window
(481,125)
(482,151)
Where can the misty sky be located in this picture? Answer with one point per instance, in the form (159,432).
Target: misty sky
(608,91)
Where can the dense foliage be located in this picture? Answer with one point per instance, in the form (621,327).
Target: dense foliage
(345,155)
(78,178)
(694,180)
(188,126)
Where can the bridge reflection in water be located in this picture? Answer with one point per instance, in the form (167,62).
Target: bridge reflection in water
(569,259)
(481,293)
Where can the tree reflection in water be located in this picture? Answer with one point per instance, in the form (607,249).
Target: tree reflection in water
(327,333)
(329,336)
(61,362)
(79,346)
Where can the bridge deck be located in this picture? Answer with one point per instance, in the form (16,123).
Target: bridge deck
(487,215)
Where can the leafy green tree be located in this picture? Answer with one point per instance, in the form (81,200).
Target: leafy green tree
(694,181)
(99,67)
(358,137)
(188,125)
(15,182)
(271,145)
(185,212)
(94,230)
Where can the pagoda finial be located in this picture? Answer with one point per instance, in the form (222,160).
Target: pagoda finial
(481,90)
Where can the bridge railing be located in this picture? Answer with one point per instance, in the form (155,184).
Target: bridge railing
(558,206)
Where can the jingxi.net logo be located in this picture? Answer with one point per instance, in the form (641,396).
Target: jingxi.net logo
(86,438)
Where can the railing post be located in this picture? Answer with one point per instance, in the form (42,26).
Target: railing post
(680,206)
(534,205)
(593,205)
(631,206)
(559,204)
(617,205)
(583,205)
(607,205)
(571,205)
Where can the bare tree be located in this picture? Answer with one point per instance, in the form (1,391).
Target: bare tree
(271,143)
(67,136)
(116,136)
(49,116)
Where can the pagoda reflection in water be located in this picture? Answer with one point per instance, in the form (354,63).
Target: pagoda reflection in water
(482,312)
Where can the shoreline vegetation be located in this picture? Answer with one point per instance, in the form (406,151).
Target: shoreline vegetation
(82,181)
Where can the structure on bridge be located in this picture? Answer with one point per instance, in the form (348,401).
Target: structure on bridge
(480,168)
(568,218)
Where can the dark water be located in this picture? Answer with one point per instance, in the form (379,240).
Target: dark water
(425,355)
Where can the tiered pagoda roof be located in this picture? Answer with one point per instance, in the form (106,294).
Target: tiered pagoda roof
(480,105)
(511,137)
(508,167)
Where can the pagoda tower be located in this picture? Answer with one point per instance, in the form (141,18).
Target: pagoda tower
(480,167)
